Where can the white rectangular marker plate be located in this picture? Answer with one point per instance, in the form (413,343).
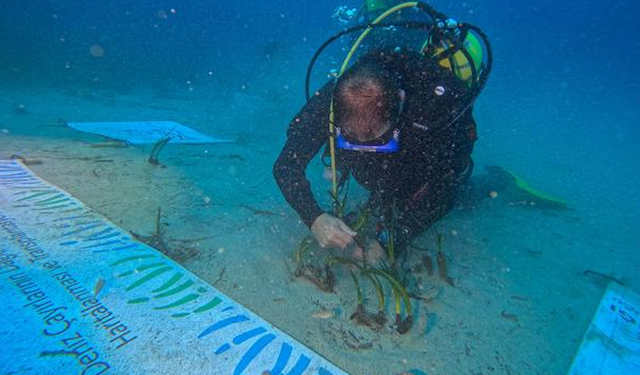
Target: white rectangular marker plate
(146,132)
(611,345)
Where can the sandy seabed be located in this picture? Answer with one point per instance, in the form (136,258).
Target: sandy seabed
(521,301)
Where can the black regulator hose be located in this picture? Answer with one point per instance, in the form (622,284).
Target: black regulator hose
(438,22)
(413,25)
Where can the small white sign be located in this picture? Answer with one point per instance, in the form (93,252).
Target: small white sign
(146,132)
(611,345)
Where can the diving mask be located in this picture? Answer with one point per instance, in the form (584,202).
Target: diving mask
(388,142)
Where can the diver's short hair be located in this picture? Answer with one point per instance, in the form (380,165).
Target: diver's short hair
(365,99)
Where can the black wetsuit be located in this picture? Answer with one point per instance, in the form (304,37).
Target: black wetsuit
(422,177)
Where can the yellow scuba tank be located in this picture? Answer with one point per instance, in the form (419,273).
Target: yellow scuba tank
(463,57)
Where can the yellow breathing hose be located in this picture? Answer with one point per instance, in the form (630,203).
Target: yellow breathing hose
(332,146)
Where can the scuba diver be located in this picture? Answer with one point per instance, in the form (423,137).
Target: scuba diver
(400,122)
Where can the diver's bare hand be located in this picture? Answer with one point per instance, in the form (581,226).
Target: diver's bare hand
(373,255)
(330,231)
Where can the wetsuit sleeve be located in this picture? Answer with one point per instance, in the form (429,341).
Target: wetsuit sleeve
(307,133)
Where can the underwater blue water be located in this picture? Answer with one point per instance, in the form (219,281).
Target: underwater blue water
(141,35)
(569,60)
(562,106)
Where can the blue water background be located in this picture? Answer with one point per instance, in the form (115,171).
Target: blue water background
(566,70)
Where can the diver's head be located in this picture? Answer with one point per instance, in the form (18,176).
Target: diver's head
(367,103)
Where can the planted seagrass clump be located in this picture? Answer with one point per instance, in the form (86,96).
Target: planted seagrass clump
(400,296)
(323,278)
(156,239)
(382,276)
(374,274)
(159,241)
(155,151)
(361,315)
(441,261)
(320,276)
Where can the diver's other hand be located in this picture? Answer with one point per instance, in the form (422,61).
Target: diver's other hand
(373,255)
(330,231)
